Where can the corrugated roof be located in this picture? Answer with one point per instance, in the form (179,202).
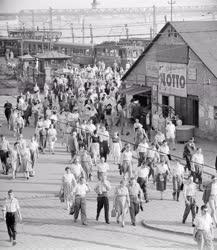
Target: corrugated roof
(201,37)
(52,55)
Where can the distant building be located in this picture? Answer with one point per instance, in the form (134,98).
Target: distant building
(179,69)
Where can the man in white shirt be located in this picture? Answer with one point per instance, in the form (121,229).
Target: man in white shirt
(102,188)
(142,177)
(203,232)
(77,169)
(177,177)
(142,151)
(190,199)
(10,209)
(102,168)
(171,133)
(81,189)
(135,194)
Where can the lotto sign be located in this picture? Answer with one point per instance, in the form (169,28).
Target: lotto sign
(172,79)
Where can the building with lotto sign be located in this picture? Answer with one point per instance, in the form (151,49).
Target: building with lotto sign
(179,69)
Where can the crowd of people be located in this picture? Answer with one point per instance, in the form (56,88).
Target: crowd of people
(90,115)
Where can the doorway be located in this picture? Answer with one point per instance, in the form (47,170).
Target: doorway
(165,106)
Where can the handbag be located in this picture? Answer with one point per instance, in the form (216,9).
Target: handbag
(72,209)
(61,196)
(113,213)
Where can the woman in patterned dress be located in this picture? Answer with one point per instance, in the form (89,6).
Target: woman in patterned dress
(121,201)
(161,174)
(68,184)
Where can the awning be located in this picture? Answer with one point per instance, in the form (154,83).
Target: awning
(135,90)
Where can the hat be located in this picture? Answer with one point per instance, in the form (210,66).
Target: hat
(10,191)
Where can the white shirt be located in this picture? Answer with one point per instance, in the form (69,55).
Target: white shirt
(103,167)
(104,136)
(11,205)
(170,130)
(127,156)
(81,189)
(33,146)
(190,189)
(143,172)
(214,189)
(204,222)
(77,169)
(142,147)
(53,117)
(91,128)
(102,187)
(178,170)
(46,123)
(164,149)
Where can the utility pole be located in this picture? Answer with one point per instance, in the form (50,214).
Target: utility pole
(171,2)
(33,23)
(72,30)
(91,34)
(82,29)
(151,33)
(7,28)
(127,31)
(154,21)
(50,22)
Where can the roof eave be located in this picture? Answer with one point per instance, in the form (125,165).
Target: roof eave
(145,51)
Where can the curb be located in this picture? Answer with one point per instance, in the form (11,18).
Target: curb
(144,224)
(34,197)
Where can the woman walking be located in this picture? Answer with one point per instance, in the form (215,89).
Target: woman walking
(52,138)
(33,146)
(104,143)
(161,175)
(15,159)
(116,148)
(121,201)
(94,146)
(86,163)
(68,185)
(26,163)
(127,158)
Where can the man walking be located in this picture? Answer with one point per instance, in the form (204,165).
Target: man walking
(190,201)
(102,189)
(135,193)
(80,200)
(204,232)
(10,210)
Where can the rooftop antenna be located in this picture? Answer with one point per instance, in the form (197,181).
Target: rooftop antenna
(171,2)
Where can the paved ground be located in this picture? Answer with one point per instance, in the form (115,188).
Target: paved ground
(46,224)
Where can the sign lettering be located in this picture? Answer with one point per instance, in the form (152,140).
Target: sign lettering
(172,79)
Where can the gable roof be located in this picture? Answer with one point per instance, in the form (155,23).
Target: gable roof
(200,36)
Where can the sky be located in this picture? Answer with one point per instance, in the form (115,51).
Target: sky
(17,5)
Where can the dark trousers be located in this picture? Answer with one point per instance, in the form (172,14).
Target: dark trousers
(11,222)
(191,206)
(188,162)
(134,208)
(42,142)
(80,204)
(143,184)
(177,182)
(141,158)
(103,201)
